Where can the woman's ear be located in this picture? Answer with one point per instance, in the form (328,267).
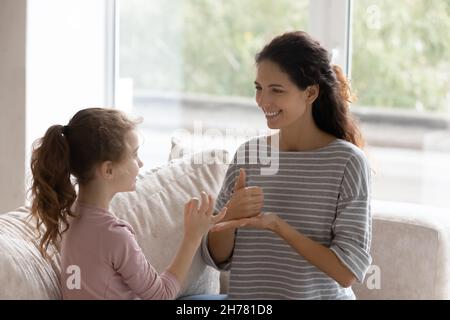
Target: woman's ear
(312,92)
(106,170)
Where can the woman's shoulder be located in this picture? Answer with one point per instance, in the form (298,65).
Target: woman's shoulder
(354,155)
(349,147)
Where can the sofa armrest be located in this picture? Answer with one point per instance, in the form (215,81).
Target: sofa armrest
(410,250)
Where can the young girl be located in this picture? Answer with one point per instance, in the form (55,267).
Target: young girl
(307,226)
(99,147)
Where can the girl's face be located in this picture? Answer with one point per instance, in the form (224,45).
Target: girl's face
(128,168)
(282,102)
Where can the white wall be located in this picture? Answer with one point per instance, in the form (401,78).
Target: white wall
(12,102)
(65,61)
(66,68)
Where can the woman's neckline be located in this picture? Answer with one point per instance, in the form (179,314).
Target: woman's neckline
(331,143)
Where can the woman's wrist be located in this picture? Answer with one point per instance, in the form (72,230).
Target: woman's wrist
(230,215)
(277,225)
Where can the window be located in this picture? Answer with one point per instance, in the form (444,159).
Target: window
(401,73)
(406,49)
(190,64)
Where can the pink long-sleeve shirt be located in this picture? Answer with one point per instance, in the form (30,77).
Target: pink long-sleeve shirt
(101,252)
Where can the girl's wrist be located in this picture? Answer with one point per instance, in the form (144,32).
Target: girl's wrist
(192,241)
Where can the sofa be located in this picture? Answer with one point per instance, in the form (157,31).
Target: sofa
(410,245)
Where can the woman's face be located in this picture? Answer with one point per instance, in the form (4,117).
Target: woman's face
(282,102)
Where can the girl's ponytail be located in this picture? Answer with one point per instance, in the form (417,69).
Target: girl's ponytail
(92,136)
(52,191)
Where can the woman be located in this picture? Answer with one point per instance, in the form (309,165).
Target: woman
(303,231)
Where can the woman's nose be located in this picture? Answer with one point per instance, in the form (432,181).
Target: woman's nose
(262,100)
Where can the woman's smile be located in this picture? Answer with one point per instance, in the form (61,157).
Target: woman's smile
(272,115)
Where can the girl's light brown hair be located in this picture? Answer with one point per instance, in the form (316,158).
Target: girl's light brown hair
(92,136)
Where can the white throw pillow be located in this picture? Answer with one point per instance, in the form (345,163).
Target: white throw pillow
(155,211)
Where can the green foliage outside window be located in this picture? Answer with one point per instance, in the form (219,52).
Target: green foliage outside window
(401,53)
(201,46)
(400,57)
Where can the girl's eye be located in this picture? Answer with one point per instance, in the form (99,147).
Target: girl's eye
(258,88)
(277,91)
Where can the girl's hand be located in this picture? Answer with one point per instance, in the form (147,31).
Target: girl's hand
(198,217)
(267,220)
(245,201)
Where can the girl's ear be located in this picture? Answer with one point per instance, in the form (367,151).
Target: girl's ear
(106,170)
(312,92)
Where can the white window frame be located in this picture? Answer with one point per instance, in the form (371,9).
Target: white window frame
(330,23)
(111,44)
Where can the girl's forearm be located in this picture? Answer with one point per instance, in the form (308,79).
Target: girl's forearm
(182,261)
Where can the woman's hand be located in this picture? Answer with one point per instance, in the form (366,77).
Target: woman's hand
(267,220)
(198,217)
(245,201)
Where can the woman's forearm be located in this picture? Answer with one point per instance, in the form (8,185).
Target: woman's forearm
(220,245)
(317,254)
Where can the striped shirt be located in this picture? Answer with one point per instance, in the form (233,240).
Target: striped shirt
(325,195)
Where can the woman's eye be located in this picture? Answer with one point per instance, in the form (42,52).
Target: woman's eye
(277,91)
(258,88)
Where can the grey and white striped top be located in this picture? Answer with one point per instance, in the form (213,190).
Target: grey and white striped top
(325,195)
